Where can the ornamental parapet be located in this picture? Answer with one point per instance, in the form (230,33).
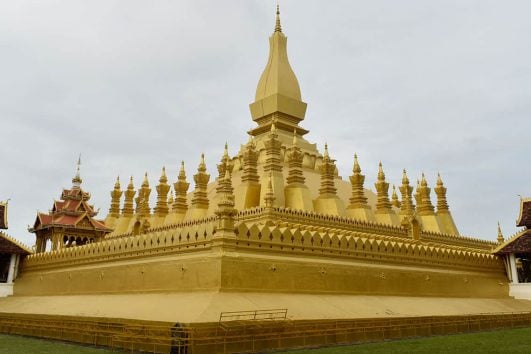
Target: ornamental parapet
(313,219)
(355,245)
(287,231)
(155,242)
(179,225)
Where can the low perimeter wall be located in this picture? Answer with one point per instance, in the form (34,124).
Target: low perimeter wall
(247,336)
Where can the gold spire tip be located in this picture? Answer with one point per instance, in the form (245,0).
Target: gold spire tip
(278,27)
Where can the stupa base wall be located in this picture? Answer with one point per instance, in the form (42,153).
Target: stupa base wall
(194,271)
(237,269)
(311,273)
(248,269)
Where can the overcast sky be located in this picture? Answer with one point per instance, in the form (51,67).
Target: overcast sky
(429,86)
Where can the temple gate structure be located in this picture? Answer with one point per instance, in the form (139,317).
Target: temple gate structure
(11,254)
(516,253)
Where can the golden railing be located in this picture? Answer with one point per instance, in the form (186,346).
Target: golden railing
(247,335)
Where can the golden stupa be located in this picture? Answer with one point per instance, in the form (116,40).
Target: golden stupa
(277,228)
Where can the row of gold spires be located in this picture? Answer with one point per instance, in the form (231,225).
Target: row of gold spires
(177,200)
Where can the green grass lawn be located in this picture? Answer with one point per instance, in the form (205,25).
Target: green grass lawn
(24,345)
(502,341)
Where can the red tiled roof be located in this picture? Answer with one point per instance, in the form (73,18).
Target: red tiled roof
(69,212)
(9,245)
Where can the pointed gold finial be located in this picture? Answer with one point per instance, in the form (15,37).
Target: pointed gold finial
(116,194)
(439,179)
(423,181)
(294,143)
(381,174)
(163,178)
(145,183)
(356,168)
(500,238)
(76,181)
(226,151)
(278,27)
(202,164)
(394,198)
(326,155)
(131,185)
(405,180)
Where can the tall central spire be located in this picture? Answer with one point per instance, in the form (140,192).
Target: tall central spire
(278,28)
(278,95)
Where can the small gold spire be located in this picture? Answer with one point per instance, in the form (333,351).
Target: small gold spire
(278,27)
(381,174)
(424,205)
(163,177)
(76,181)
(394,198)
(440,191)
(382,190)
(406,206)
(294,143)
(270,194)
(358,199)
(326,155)
(116,194)
(145,183)
(128,209)
(423,181)
(356,168)
(500,238)
(202,164)
(171,200)
(161,208)
(182,172)
(180,187)
(201,178)
(405,180)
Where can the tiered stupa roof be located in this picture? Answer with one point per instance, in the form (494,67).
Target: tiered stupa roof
(275,153)
(71,217)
